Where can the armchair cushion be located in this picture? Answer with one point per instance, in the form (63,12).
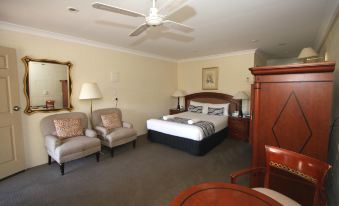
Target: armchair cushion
(75,145)
(282,199)
(90,133)
(111,121)
(69,127)
(120,133)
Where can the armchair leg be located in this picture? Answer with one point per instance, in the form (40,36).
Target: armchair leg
(62,168)
(112,152)
(49,160)
(97,155)
(134,143)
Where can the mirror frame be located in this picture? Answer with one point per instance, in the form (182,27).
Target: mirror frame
(26,61)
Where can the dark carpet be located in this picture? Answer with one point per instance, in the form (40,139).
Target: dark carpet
(150,175)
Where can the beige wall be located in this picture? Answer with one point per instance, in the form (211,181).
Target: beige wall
(144,84)
(260,59)
(234,75)
(331,51)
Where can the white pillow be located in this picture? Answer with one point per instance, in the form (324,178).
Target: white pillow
(225,106)
(204,106)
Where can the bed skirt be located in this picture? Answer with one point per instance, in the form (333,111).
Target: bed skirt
(193,147)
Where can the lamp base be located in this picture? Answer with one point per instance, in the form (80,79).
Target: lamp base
(178,106)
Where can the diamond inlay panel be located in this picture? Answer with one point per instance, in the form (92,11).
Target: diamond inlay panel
(292,118)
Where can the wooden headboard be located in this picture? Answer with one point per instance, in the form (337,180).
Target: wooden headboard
(214,98)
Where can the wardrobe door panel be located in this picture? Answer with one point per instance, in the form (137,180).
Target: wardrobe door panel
(289,117)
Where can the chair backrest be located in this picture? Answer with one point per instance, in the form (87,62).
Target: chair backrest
(47,123)
(308,168)
(96,115)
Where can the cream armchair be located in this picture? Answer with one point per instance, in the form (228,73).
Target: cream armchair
(117,136)
(71,148)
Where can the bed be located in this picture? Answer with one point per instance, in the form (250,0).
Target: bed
(186,137)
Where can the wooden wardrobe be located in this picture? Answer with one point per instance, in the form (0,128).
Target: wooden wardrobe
(291,108)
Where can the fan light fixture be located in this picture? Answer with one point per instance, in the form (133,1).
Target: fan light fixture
(154,18)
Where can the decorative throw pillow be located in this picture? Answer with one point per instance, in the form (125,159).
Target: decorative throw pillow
(66,128)
(225,106)
(111,121)
(196,109)
(216,111)
(203,105)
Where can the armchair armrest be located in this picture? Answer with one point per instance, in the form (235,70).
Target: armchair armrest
(52,142)
(90,133)
(246,171)
(102,131)
(127,125)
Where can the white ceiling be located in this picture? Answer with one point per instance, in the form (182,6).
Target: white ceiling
(221,26)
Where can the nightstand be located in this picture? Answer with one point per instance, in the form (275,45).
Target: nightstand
(175,111)
(239,127)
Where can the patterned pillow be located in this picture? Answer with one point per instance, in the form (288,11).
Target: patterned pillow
(66,128)
(196,109)
(111,121)
(216,111)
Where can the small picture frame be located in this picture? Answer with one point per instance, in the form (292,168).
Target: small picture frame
(210,78)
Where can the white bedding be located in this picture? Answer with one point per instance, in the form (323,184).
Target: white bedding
(186,130)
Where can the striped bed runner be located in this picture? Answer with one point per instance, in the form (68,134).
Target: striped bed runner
(207,127)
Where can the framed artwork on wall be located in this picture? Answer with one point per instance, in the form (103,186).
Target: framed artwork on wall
(210,78)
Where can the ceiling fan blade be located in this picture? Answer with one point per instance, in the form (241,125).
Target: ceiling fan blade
(172,6)
(139,30)
(177,26)
(114,9)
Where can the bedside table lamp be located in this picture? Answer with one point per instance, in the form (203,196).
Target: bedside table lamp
(90,91)
(240,96)
(178,94)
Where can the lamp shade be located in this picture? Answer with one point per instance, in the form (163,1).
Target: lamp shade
(90,91)
(307,53)
(240,95)
(178,93)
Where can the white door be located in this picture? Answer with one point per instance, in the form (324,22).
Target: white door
(11,142)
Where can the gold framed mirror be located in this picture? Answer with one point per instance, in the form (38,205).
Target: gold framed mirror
(47,85)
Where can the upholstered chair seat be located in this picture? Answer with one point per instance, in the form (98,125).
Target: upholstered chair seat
(113,137)
(67,149)
(282,199)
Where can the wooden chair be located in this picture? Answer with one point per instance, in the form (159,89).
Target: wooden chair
(308,168)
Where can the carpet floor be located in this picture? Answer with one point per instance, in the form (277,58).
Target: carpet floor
(150,175)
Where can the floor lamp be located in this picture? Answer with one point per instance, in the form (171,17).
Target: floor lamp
(90,91)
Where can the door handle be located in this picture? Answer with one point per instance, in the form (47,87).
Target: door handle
(16,108)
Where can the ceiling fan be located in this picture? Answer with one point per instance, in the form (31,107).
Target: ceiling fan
(154,18)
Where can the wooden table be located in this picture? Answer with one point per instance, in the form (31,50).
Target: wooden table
(221,194)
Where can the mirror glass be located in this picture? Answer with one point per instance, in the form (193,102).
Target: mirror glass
(47,85)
